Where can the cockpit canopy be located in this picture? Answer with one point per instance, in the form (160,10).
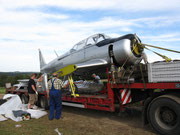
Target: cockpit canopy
(94,39)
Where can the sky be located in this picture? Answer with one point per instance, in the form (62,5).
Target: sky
(29,25)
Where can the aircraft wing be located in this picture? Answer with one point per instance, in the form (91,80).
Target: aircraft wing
(91,66)
(92,63)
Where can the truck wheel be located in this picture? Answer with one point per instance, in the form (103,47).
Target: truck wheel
(164,115)
(44,102)
(24,99)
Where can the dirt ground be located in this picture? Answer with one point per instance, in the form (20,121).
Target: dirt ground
(77,121)
(107,123)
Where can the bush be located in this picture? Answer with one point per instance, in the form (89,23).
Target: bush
(11,79)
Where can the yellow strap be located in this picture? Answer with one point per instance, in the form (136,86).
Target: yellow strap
(161,48)
(72,86)
(163,56)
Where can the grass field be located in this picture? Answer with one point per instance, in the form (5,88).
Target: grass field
(2,90)
(77,121)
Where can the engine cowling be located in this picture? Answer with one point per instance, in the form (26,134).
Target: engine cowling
(127,50)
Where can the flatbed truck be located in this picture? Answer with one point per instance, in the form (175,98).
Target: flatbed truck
(160,101)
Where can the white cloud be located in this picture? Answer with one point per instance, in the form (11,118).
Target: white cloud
(159,21)
(119,5)
(16,17)
(23,32)
(170,37)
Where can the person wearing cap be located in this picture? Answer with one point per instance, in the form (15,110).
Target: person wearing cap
(54,93)
(97,79)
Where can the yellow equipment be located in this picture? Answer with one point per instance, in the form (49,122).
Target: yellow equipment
(163,56)
(67,71)
(72,86)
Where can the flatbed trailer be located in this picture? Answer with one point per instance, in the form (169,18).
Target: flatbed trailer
(23,94)
(160,101)
(108,98)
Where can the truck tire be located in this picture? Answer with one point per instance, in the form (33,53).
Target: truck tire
(164,115)
(24,99)
(44,102)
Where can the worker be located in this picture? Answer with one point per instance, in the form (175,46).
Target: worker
(97,79)
(32,91)
(54,93)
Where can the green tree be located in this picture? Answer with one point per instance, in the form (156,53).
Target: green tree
(3,79)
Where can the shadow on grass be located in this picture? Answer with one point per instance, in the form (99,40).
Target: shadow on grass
(132,118)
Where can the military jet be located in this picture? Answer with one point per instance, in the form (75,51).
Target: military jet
(96,52)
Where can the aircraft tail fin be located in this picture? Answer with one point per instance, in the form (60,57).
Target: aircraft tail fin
(41,59)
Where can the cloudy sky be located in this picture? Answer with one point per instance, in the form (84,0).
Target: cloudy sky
(27,25)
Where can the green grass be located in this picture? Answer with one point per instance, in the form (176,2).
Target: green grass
(68,126)
(77,121)
(2,90)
